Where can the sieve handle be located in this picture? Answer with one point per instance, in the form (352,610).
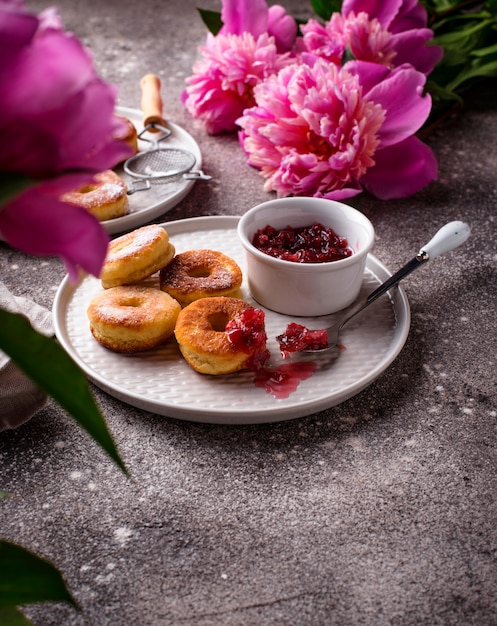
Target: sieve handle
(151,101)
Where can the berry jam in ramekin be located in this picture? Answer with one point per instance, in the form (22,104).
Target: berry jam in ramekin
(305,244)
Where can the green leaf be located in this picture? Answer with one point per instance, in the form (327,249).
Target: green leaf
(458,44)
(325,8)
(212,19)
(487,70)
(26,578)
(50,367)
(4,494)
(439,6)
(483,52)
(348,55)
(440,93)
(13,617)
(11,185)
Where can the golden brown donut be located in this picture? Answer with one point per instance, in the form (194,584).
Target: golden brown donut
(201,334)
(127,133)
(132,318)
(106,198)
(136,255)
(201,274)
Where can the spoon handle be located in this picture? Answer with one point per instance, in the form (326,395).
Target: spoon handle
(151,102)
(388,284)
(450,236)
(446,239)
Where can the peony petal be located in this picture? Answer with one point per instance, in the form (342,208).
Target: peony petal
(56,114)
(340,194)
(50,143)
(41,225)
(29,149)
(92,145)
(50,18)
(67,182)
(411,47)
(400,94)
(369,74)
(53,60)
(396,15)
(17,30)
(383,10)
(239,16)
(412,14)
(401,170)
(282,27)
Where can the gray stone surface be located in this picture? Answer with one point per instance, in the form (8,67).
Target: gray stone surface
(379,511)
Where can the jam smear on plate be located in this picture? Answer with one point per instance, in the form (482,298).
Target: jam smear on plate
(283,380)
(307,244)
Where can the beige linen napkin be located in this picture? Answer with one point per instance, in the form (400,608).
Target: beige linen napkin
(20,398)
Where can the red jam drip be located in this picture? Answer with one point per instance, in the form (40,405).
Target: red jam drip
(246,332)
(283,380)
(297,337)
(307,244)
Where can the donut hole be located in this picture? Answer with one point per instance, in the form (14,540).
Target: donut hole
(200,272)
(87,189)
(133,302)
(218,321)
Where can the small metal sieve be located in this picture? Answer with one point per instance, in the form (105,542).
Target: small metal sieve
(158,164)
(161,165)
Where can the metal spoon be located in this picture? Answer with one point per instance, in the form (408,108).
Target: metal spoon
(450,236)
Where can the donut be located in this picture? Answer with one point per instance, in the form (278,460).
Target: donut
(201,333)
(201,274)
(136,255)
(106,198)
(127,133)
(132,318)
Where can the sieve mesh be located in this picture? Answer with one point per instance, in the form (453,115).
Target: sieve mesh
(160,165)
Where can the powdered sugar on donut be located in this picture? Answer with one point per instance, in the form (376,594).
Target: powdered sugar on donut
(105,199)
(136,256)
(133,243)
(199,274)
(112,190)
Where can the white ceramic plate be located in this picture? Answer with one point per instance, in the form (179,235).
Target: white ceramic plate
(145,206)
(161,382)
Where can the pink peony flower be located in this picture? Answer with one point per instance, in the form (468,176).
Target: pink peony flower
(365,38)
(389,32)
(223,81)
(57,125)
(325,131)
(253,43)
